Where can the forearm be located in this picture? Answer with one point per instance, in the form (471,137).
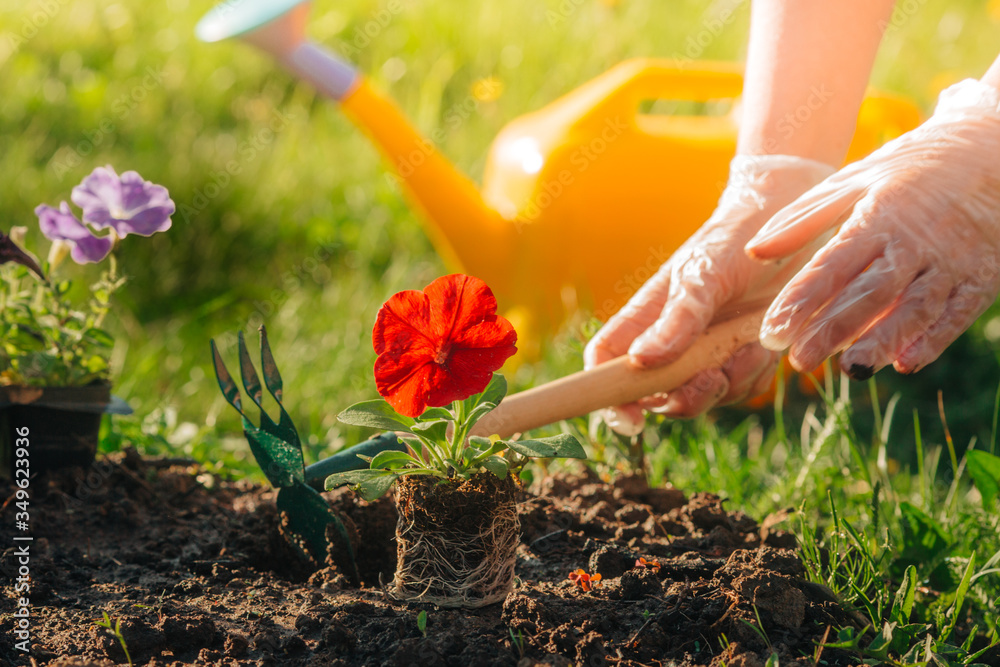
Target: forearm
(807,69)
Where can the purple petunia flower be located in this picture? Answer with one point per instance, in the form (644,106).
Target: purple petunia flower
(127,203)
(61,225)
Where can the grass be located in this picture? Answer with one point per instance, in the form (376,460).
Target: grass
(311,237)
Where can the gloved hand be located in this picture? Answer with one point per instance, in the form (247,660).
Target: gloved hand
(917,257)
(708,273)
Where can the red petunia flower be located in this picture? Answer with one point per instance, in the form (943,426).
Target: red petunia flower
(439,345)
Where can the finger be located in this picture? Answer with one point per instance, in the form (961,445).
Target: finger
(837,263)
(749,363)
(965,304)
(624,419)
(654,402)
(795,226)
(671,335)
(855,308)
(765,380)
(910,317)
(696,396)
(697,288)
(615,337)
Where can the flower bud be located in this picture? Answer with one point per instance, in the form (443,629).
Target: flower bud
(57,253)
(18,235)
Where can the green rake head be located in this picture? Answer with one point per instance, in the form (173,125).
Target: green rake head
(309,524)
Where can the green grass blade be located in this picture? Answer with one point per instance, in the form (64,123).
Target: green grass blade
(963,588)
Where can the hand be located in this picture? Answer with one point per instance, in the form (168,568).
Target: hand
(709,272)
(917,258)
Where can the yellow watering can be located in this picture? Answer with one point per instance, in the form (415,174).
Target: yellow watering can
(581,200)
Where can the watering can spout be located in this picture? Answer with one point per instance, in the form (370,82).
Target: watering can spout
(468,235)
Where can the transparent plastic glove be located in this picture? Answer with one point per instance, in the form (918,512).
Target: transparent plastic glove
(917,258)
(709,273)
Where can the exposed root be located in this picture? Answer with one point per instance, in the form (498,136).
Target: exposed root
(447,566)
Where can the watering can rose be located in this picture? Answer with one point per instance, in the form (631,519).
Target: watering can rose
(439,345)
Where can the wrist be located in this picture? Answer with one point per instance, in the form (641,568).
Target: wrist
(767,180)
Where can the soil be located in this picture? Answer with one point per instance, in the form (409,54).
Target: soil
(196,570)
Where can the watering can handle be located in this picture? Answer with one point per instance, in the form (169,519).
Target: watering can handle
(633,81)
(617,382)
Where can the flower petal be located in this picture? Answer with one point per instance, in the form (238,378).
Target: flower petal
(459,302)
(495,332)
(127,203)
(61,225)
(147,221)
(97,194)
(401,321)
(405,384)
(439,345)
(468,372)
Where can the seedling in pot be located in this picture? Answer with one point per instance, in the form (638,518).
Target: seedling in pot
(312,527)
(458,527)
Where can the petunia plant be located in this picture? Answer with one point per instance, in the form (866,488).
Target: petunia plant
(45,338)
(437,352)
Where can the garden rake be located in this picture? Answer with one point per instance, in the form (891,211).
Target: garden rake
(310,525)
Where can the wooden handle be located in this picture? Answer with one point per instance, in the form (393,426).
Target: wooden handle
(617,382)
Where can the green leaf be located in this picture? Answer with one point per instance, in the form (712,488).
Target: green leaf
(435,431)
(99,337)
(498,466)
(432,414)
(532,448)
(96,364)
(391,459)
(879,647)
(376,414)
(903,604)
(349,477)
(480,442)
(495,391)
(963,589)
(376,487)
(924,541)
(562,446)
(984,468)
(478,413)
(22,339)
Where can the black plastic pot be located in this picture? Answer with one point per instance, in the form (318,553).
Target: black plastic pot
(62,422)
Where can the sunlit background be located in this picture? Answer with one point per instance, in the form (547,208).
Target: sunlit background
(311,236)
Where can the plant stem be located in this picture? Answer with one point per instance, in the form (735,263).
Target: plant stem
(431,447)
(461,427)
